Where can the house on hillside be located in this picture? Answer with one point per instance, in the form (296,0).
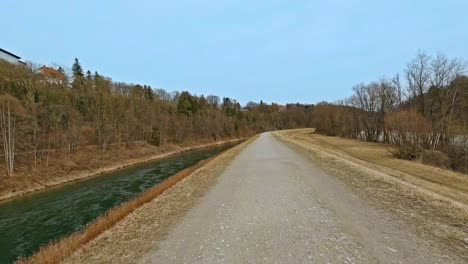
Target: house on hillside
(10,57)
(52,75)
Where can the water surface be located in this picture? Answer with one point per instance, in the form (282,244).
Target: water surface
(28,222)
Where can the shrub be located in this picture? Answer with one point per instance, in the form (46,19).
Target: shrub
(406,151)
(435,158)
(410,132)
(458,155)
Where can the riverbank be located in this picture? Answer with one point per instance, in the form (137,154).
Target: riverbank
(174,197)
(87,164)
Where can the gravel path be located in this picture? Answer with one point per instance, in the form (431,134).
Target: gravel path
(272,205)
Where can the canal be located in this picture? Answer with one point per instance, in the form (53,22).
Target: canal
(28,222)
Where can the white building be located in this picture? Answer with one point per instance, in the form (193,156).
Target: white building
(10,57)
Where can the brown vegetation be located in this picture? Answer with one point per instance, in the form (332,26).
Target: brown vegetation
(379,157)
(430,114)
(435,158)
(409,133)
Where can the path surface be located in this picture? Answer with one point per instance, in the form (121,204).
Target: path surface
(272,205)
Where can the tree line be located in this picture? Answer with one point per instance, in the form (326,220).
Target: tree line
(424,113)
(40,117)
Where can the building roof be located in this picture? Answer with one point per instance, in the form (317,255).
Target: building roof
(9,53)
(52,73)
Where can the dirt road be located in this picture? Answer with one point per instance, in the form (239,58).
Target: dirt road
(273,205)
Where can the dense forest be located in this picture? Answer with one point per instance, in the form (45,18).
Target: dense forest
(45,113)
(424,113)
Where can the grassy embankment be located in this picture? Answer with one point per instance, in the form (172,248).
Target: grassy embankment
(433,201)
(378,156)
(57,251)
(85,163)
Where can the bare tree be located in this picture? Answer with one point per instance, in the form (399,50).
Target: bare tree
(396,82)
(418,76)
(9,109)
(213,101)
(366,98)
(444,95)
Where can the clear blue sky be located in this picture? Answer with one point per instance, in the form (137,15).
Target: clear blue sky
(280,51)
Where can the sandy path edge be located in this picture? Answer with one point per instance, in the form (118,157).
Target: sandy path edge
(83,175)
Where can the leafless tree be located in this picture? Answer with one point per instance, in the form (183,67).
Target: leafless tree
(9,109)
(213,101)
(418,76)
(396,82)
(443,95)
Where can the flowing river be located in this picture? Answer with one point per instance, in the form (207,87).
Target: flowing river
(28,222)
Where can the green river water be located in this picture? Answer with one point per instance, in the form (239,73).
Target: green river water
(33,220)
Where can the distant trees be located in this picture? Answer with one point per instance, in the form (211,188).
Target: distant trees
(430,115)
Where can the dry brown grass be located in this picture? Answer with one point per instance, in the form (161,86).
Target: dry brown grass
(57,251)
(445,182)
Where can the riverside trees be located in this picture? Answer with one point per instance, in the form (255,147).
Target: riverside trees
(10,111)
(40,117)
(431,114)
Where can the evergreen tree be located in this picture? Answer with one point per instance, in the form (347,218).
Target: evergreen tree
(186,104)
(148,93)
(78,76)
(77,69)
(203,104)
(89,76)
